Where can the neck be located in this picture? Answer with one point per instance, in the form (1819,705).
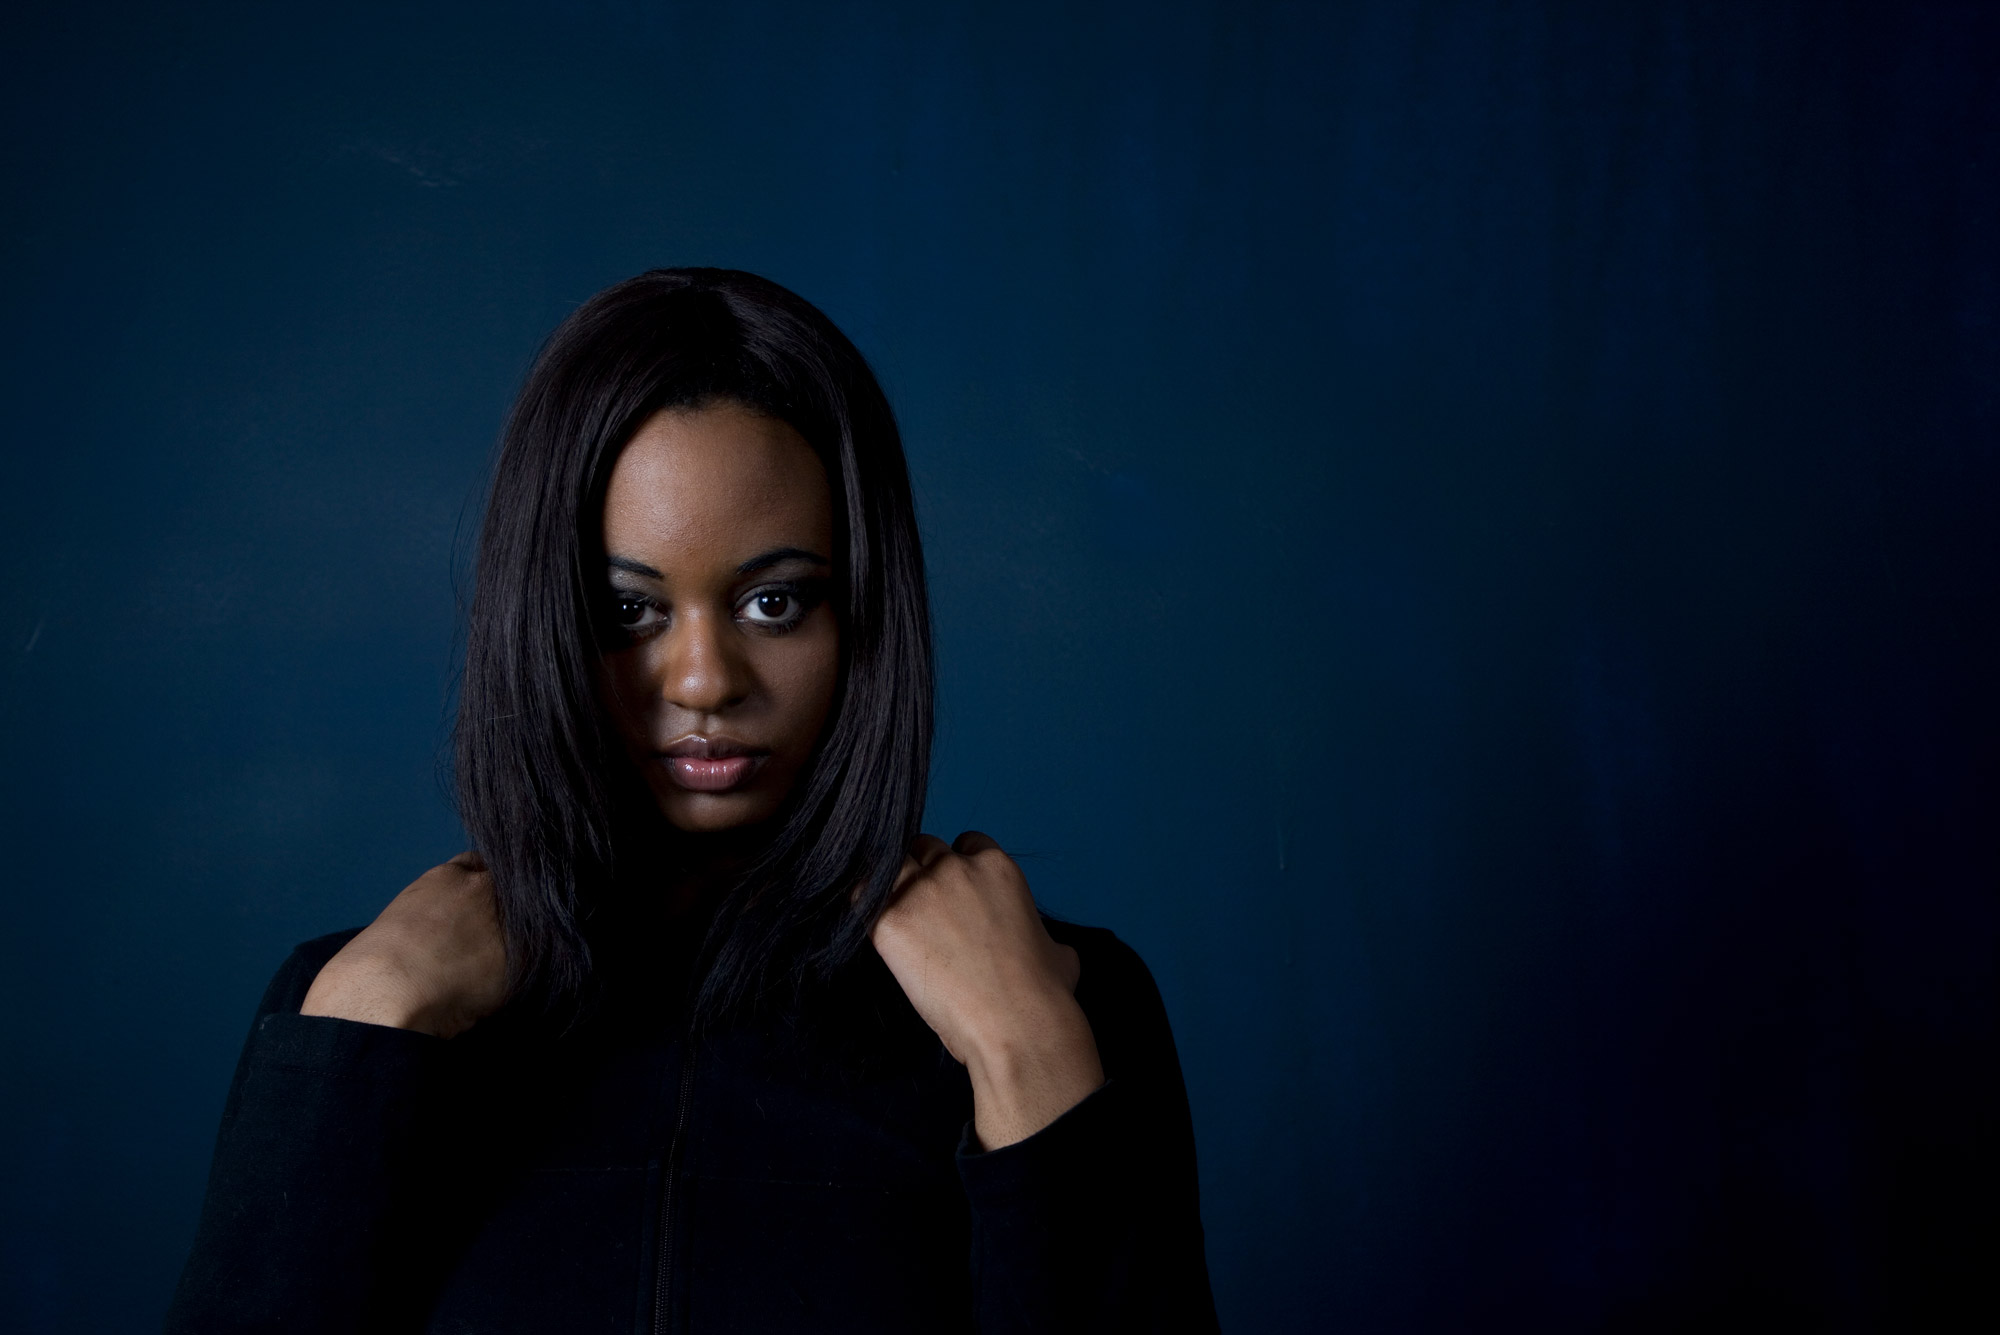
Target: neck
(692,871)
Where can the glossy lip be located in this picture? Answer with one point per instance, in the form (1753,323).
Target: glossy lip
(711,764)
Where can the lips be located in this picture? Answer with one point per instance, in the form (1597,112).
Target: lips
(711,764)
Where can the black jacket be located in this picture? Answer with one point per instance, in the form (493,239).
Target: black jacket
(787,1176)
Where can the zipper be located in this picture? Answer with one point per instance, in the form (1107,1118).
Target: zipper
(663,1279)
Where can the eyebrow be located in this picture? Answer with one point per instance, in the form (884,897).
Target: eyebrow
(762,561)
(780,555)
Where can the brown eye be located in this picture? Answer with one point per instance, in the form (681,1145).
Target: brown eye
(631,611)
(772,607)
(777,607)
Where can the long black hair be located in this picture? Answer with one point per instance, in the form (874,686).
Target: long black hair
(544,787)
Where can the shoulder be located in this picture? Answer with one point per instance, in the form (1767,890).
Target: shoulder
(288,987)
(1117,992)
(1102,953)
(320,949)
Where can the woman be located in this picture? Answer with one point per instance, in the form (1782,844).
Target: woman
(705,1035)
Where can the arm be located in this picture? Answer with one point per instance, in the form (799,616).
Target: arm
(1085,1210)
(332,1133)
(966,945)
(323,1140)
(1094,1222)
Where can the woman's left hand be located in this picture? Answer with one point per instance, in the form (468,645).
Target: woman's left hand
(962,937)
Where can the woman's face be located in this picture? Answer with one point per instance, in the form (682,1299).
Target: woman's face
(718,525)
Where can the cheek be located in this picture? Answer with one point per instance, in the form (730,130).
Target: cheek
(805,679)
(622,689)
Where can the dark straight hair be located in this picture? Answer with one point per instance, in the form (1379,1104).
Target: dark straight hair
(544,785)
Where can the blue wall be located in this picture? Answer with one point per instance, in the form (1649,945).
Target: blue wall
(1466,532)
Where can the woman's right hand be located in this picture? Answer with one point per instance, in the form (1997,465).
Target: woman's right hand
(433,961)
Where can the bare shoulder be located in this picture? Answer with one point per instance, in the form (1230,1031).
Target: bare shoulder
(295,976)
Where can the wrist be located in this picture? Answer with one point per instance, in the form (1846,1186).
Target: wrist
(1031,1034)
(1029,1072)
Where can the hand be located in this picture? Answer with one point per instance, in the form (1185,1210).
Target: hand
(962,937)
(433,961)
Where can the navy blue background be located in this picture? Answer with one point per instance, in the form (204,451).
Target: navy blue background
(1465,531)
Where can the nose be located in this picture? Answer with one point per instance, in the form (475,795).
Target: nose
(703,670)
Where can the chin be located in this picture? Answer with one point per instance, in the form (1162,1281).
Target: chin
(705,813)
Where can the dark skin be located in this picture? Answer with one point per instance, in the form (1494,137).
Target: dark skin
(719,527)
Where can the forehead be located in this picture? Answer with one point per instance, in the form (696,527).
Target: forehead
(713,487)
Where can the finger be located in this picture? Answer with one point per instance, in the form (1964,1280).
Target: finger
(974,841)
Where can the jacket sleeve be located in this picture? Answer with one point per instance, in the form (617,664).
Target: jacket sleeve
(1094,1222)
(308,1222)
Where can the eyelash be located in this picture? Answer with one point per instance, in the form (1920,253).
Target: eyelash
(805,594)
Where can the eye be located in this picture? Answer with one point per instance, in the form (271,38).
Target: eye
(633,611)
(772,607)
(776,607)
